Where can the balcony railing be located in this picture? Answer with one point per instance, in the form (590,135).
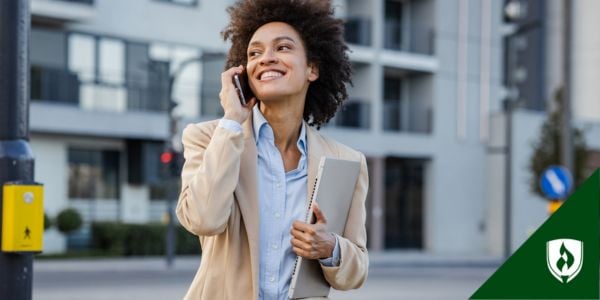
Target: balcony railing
(414,120)
(90,2)
(415,39)
(358,31)
(54,85)
(354,114)
(64,86)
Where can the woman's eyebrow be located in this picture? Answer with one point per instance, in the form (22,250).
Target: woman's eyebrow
(275,40)
(278,39)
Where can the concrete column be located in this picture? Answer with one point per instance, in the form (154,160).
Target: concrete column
(377,215)
(376,70)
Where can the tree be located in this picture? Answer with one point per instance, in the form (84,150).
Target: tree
(547,148)
(68,220)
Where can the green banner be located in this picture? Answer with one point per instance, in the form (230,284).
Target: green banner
(561,259)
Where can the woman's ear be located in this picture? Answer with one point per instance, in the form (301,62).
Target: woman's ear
(313,72)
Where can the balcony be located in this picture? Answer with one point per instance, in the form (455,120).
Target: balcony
(54,85)
(401,116)
(354,114)
(413,38)
(357,31)
(62,11)
(65,87)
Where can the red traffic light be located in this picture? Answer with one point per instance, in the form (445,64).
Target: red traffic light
(166,157)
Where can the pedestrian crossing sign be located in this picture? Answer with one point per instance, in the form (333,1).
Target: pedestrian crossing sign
(22,217)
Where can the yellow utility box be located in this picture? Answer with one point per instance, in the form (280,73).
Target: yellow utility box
(22,217)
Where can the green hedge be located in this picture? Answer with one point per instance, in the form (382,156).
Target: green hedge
(140,239)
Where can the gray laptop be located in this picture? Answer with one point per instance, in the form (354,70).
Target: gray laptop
(334,187)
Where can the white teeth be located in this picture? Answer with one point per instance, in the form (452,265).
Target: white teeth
(270,74)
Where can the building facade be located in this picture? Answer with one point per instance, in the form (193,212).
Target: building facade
(425,108)
(536,65)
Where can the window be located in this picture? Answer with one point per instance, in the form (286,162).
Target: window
(407,102)
(211,85)
(181,2)
(89,2)
(354,113)
(50,81)
(392,103)
(404,202)
(93,174)
(100,65)
(196,88)
(393,25)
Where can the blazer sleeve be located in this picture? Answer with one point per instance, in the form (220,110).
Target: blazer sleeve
(208,178)
(354,259)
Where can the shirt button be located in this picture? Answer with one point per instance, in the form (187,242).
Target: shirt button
(274,246)
(272,279)
(277,215)
(279,185)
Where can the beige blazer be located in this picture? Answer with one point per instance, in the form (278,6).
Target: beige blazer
(219,204)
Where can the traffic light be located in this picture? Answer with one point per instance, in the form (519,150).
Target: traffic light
(171,162)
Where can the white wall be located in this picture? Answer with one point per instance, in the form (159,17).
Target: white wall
(528,211)
(51,170)
(495,200)
(135,203)
(160,21)
(585,60)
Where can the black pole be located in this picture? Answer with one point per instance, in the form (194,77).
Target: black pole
(16,160)
(171,237)
(566,145)
(171,194)
(509,109)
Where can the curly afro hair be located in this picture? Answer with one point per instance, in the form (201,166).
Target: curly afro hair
(322,35)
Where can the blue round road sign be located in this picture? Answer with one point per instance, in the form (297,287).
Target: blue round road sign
(556,182)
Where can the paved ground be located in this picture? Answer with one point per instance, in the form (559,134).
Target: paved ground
(392,276)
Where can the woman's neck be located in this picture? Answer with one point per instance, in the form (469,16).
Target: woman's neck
(285,119)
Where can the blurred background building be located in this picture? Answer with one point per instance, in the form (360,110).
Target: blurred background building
(426,108)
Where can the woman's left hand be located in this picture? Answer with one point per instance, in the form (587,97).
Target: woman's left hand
(313,241)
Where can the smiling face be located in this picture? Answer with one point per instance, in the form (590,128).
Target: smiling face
(277,66)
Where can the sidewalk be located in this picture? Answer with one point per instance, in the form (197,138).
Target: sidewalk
(387,259)
(392,275)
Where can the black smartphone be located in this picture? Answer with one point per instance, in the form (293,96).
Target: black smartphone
(243,88)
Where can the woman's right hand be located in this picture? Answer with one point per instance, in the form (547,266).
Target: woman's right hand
(230,101)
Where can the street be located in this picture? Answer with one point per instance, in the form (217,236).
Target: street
(148,279)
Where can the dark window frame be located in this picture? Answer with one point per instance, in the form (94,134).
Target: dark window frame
(100,159)
(194,3)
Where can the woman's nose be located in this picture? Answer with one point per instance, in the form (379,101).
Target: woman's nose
(268,58)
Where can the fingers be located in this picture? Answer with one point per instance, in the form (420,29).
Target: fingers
(251,103)
(319,214)
(227,76)
(229,97)
(300,245)
(311,241)
(303,227)
(303,245)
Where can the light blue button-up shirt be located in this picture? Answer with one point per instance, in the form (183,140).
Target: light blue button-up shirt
(282,200)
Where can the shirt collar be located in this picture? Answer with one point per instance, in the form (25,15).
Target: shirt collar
(262,129)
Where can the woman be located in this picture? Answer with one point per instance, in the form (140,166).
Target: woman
(244,181)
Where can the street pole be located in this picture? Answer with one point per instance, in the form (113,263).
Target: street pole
(566,145)
(508,109)
(171,191)
(16,159)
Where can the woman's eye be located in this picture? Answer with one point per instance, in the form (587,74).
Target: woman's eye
(284,47)
(252,53)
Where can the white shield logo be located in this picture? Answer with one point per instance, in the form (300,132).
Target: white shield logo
(564,258)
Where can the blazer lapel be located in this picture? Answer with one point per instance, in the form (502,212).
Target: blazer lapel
(247,196)
(316,150)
